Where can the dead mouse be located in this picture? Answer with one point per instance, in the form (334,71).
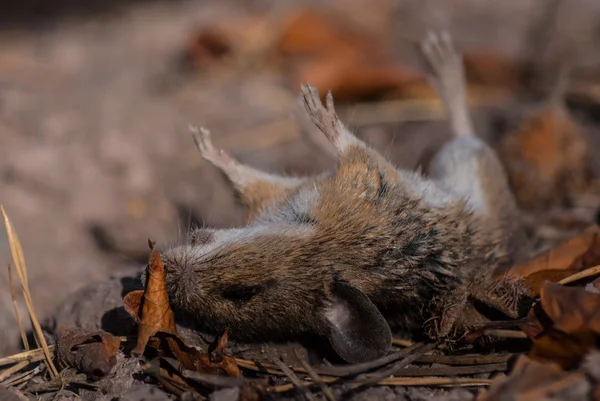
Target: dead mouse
(356,251)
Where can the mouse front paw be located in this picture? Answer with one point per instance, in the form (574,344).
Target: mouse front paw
(474,304)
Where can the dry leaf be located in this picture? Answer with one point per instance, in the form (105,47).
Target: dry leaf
(578,253)
(547,159)
(338,50)
(574,326)
(215,362)
(156,321)
(571,309)
(536,280)
(566,350)
(154,312)
(531,381)
(91,352)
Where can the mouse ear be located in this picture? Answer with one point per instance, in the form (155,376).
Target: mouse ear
(358,331)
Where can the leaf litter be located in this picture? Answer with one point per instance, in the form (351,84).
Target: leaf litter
(563,328)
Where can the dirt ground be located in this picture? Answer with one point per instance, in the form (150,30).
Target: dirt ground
(93,128)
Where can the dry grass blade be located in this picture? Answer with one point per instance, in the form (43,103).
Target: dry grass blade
(295,380)
(314,376)
(17,255)
(16,307)
(12,370)
(592,271)
(30,356)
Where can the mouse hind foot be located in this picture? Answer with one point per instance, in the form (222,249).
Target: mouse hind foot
(447,76)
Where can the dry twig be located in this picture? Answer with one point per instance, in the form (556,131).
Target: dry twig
(295,379)
(314,376)
(592,271)
(12,370)
(418,351)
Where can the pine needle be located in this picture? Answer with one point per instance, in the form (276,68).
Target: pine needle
(592,271)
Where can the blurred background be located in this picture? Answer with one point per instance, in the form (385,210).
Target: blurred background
(96,98)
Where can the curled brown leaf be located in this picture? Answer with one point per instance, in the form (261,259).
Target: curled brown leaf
(90,352)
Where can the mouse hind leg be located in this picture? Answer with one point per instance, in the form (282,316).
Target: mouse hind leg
(257,189)
(466,164)
(350,150)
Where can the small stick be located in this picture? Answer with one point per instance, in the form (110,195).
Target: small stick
(434,381)
(23,377)
(454,370)
(413,356)
(506,333)
(16,307)
(332,370)
(13,369)
(592,271)
(359,368)
(411,381)
(464,359)
(314,376)
(31,356)
(294,379)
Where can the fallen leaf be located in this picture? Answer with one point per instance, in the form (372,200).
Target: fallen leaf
(566,350)
(568,325)
(90,352)
(547,159)
(154,312)
(495,69)
(572,309)
(536,280)
(156,321)
(168,377)
(215,362)
(531,381)
(576,254)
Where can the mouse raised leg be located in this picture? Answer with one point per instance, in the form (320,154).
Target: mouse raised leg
(467,166)
(257,189)
(327,120)
(448,78)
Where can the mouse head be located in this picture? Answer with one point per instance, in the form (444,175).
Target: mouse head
(258,282)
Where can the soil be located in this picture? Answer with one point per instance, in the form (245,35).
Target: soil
(96,156)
